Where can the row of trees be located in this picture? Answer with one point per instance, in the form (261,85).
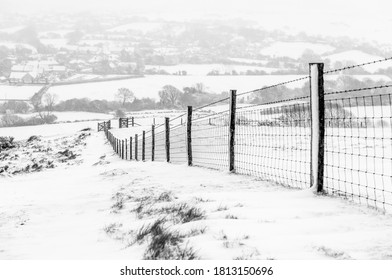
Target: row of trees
(170,97)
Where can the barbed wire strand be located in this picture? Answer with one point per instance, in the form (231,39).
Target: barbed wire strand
(210,104)
(274,102)
(275,85)
(357,89)
(357,65)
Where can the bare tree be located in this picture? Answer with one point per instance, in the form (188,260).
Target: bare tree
(45,105)
(200,87)
(170,96)
(125,95)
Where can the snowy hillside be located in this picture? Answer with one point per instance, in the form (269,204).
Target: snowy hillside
(358,57)
(295,49)
(98,206)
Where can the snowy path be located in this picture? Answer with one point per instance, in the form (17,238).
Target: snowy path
(62,214)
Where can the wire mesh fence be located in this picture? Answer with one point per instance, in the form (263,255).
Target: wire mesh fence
(178,150)
(210,139)
(273,143)
(358,149)
(148,146)
(160,144)
(275,140)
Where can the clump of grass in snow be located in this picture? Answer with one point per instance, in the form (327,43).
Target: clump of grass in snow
(183,213)
(231,216)
(119,202)
(191,214)
(163,243)
(222,208)
(119,198)
(222,235)
(167,246)
(201,199)
(146,204)
(249,255)
(118,205)
(112,228)
(155,228)
(232,244)
(333,253)
(195,231)
(165,197)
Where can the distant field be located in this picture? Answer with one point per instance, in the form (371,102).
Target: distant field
(204,69)
(73,116)
(295,49)
(47,130)
(149,86)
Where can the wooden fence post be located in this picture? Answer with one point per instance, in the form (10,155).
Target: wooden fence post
(189,136)
(130,147)
(136,146)
(122,149)
(318,125)
(153,142)
(167,130)
(143,145)
(126,148)
(233,97)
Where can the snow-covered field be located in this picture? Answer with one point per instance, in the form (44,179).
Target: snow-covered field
(204,69)
(46,130)
(149,86)
(142,27)
(72,116)
(102,207)
(357,57)
(295,49)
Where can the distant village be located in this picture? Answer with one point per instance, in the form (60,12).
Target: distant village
(44,69)
(38,71)
(85,48)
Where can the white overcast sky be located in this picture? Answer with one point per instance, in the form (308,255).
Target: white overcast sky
(367,19)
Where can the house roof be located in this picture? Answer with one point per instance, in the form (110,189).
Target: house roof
(17,75)
(21,75)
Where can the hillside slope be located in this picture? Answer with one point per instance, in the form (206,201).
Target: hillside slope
(102,207)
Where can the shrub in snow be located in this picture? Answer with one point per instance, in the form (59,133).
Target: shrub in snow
(120,113)
(7,143)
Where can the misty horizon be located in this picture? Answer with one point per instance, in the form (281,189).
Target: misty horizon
(348,18)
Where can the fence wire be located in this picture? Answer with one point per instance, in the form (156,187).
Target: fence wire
(273,143)
(273,139)
(160,144)
(148,146)
(139,147)
(210,138)
(358,149)
(178,144)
